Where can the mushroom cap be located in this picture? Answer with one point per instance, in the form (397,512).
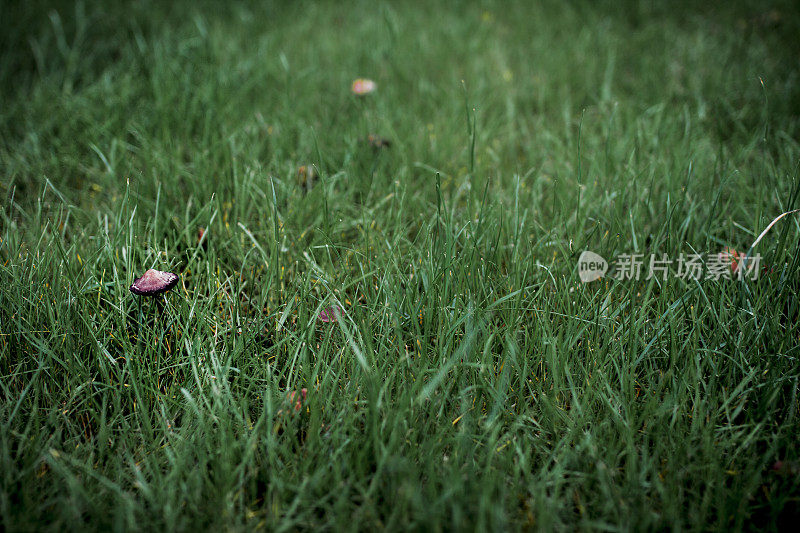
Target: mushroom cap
(331,314)
(154,282)
(306,176)
(362,86)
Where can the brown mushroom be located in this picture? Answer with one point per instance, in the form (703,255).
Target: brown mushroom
(154,282)
(306,177)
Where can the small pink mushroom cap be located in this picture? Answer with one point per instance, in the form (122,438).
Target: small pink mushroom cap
(330,314)
(154,282)
(362,86)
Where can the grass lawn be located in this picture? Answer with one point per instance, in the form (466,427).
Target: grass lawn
(471,379)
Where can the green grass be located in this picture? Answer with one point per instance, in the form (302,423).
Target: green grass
(473,381)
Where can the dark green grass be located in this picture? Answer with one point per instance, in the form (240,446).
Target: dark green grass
(473,381)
